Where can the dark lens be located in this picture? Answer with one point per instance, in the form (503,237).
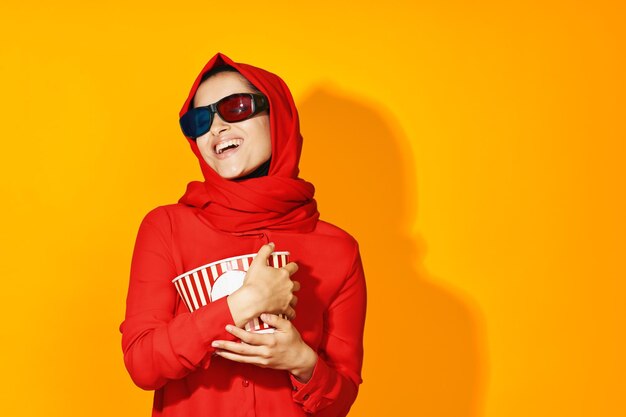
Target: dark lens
(235,108)
(196,122)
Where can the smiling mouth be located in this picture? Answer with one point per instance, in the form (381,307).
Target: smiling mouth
(227,145)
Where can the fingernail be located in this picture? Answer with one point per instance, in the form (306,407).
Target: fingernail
(271,244)
(229,327)
(264,317)
(215,344)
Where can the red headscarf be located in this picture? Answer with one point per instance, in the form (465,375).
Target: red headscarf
(278,201)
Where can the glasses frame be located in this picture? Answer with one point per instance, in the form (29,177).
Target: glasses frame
(259,103)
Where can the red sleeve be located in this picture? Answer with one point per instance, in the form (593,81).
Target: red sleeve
(337,374)
(158,346)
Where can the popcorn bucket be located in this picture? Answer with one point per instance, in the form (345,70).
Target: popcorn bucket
(213,281)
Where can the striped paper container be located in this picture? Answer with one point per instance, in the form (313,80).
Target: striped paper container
(213,281)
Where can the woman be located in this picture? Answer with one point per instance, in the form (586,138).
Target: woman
(242,124)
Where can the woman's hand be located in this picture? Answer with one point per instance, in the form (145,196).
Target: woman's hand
(265,289)
(284,349)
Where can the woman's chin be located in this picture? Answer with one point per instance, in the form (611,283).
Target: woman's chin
(232,174)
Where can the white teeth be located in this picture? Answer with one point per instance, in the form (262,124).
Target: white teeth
(220,147)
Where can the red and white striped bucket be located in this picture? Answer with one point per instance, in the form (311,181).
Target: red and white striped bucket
(213,281)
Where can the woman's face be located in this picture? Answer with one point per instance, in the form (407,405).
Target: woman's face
(233,150)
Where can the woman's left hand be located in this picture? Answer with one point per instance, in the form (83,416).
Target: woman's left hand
(283,349)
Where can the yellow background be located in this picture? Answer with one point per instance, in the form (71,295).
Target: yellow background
(475,149)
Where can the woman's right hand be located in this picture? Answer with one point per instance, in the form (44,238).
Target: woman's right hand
(265,289)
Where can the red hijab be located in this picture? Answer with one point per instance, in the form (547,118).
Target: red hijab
(278,201)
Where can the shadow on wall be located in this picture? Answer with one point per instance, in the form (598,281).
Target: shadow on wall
(424,343)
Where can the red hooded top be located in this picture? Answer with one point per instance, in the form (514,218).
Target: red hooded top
(168,349)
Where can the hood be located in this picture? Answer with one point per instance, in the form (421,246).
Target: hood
(280,200)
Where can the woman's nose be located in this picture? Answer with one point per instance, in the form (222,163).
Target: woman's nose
(219,125)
